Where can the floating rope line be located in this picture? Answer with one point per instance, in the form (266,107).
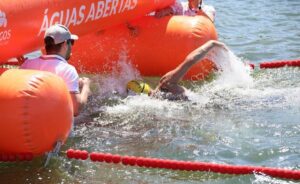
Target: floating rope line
(278,64)
(182,165)
(16,157)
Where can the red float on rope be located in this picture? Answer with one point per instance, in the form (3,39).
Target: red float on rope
(252,65)
(77,154)
(4,157)
(183,165)
(282,63)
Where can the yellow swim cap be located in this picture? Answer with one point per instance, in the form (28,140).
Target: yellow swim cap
(138,87)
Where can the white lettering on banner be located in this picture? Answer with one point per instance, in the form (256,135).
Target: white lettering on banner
(55,15)
(73,18)
(81,14)
(107,8)
(3,20)
(100,8)
(62,17)
(45,22)
(76,16)
(5,34)
(127,5)
(121,5)
(91,14)
(114,5)
(134,4)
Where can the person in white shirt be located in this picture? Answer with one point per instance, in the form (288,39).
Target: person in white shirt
(190,9)
(58,45)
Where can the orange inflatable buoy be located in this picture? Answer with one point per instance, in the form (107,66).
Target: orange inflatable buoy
(2,70)
(23,23)
(35,111)
(156,46)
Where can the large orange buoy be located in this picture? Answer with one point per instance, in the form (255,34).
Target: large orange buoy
(23,22)
(35,111)
(156,46)
(2,70)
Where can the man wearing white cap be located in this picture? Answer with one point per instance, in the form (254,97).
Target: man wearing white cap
(58,45)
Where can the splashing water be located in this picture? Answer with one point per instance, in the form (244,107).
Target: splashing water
(115,81)
(263,179)
(233,77)
(233,71)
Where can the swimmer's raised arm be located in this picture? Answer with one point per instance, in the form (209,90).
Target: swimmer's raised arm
(195,56)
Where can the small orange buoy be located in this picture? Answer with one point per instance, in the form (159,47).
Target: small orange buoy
(35,111)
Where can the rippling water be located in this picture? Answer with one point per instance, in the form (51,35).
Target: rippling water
(236,118)
(260,30)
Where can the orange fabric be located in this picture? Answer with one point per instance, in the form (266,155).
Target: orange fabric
(35,111)
(24,22)
(159,46)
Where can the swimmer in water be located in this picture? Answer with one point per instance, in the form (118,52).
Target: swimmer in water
(168,87)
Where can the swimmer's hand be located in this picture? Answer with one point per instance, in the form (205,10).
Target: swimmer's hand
(219,44)
(84,81)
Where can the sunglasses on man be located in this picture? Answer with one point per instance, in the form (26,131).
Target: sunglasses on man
(70,41)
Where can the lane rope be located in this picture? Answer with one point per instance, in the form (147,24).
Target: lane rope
(6,157)
(182,165)
(277,64)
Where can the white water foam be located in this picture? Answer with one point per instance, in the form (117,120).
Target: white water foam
(234,72)
(234,77)
(264,179)
(114,82)
(234,86)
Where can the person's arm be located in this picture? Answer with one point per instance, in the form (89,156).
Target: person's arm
(80,99)
(198,54)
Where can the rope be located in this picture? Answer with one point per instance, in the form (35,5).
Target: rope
(15,157)
(278,64)
(182,165)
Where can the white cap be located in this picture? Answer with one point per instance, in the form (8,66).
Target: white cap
(59,33)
